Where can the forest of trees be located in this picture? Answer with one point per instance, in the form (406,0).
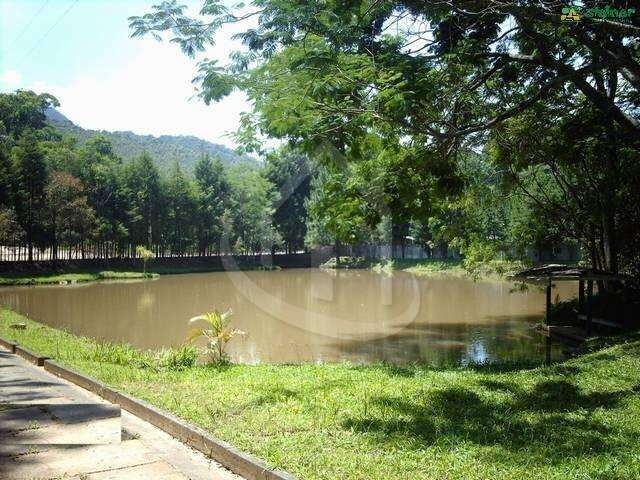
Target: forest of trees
(59,200)
(494,129)
(490,125)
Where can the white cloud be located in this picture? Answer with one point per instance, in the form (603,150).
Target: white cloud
(150,94)
(10,79)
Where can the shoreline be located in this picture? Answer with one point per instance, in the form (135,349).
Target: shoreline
(495,270)
(71,274)
(54,277)
(340,420)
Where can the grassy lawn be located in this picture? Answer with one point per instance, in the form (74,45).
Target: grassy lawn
(54,278)
(576,420)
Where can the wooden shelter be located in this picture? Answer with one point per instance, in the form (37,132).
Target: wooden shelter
(548,274)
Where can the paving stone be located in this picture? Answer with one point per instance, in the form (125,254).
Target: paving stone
(156,470)
(62,424)
(65,431)
(54,461)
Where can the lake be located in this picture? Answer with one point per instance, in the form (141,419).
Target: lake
(308,315)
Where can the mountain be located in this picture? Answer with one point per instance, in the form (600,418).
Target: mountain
(164,149)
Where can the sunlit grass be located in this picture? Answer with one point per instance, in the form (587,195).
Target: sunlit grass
(55,278)
(495,268)
(578,419)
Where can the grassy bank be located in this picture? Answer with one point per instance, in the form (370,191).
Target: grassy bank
(578,419)
(417,267)
(423,266)
(44,278)
(53,277)
(495,268)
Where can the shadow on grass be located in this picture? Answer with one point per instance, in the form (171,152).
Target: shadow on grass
(416,369)
(276,395)
(553,419)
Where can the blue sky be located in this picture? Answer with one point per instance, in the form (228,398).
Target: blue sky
(80,51)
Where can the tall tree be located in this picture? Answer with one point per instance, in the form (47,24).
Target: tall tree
(143,193)
(251,209)
(181,207)
(67,213)
(6,174)
(22,169)
(290,173)
(213,198)
(338,210)
(581,175)
(10,231)
(24,110)
(30,179)
(101,171)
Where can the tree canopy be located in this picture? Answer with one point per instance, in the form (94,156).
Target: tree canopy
(435,83)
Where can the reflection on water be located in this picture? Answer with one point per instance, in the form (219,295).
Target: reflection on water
(307,315)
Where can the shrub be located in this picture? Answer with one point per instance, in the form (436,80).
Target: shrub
(179,358)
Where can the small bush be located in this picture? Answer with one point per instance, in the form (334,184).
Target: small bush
(177,358)
(113,353)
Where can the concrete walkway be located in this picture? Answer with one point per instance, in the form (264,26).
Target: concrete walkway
(50,428)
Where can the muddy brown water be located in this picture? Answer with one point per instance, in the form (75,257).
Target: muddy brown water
(308,315)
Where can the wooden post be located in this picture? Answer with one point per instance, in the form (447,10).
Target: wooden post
(547,318)
(580,296)
(589,306)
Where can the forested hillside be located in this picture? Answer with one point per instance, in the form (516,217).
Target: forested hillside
(164,149)
(60,200)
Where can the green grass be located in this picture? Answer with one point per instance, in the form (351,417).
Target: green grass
(427,266)
(54,278)
(579,419)
(494,268)
(49,277)
(422,267)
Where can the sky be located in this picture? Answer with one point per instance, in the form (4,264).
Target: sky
(80,51)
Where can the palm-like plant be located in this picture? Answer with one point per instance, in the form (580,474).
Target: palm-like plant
(217,332)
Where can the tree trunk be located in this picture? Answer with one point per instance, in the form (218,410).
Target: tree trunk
(610,244)
(30,241)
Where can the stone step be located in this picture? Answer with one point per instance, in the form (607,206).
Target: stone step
(39,409)
(60,424)
(22,462)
